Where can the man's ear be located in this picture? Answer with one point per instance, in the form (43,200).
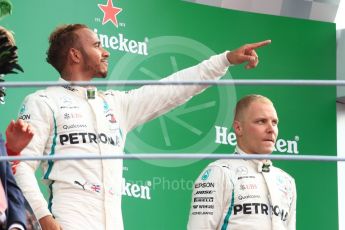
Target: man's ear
(74,55)
(237,126)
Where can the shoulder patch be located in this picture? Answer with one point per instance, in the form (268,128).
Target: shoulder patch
(206,174)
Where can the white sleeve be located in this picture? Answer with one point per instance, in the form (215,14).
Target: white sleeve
(211,195)
(292,216)
(37,113)
(148,102)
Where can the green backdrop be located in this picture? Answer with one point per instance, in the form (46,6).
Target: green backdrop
(175,35)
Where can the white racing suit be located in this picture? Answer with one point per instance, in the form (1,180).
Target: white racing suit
(86,194)
(238,195)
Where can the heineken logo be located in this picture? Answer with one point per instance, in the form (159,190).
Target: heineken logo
(121,43)
(118,42)
(225,137)
(140,191)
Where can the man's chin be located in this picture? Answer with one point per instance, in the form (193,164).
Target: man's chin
(268,148)
(104,74)
(267,151)
(101,75)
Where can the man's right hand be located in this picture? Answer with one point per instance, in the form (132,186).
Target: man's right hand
(49,223)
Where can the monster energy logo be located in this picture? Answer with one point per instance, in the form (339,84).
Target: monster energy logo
(91,93)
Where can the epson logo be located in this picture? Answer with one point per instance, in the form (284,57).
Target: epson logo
(204,185)
(229,138)
(135,190)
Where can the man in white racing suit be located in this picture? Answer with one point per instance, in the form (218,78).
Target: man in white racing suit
(78,120)
(246,194)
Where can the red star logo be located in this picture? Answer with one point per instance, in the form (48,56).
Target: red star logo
(110,12)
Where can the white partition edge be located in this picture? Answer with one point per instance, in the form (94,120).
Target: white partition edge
(341,165)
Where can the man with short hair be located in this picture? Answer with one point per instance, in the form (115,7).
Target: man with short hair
(246,194)
(79,120)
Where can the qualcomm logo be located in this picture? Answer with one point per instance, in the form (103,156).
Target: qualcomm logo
(136,190)
(118,41)
(229,138)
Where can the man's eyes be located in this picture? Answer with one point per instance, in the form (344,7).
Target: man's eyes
(264,121)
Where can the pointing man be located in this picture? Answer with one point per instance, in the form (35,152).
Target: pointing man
(80,120)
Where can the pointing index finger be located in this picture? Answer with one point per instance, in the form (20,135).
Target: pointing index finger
(258,44)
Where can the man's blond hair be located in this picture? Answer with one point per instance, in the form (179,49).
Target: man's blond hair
(244,103)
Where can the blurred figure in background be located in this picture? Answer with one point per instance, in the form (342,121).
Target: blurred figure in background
(12,209)
(18,135)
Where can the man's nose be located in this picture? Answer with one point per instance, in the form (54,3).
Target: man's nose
(105,53)
(270,127)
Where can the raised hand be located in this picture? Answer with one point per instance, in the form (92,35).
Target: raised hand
(18,135)
(246,53)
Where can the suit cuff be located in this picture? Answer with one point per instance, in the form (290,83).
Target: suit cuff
(10,152)
(226,60)
(16,225)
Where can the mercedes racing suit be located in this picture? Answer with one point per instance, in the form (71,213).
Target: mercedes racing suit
(239,194)
(86,194)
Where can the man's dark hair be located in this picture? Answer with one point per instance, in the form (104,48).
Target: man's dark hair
(60,41)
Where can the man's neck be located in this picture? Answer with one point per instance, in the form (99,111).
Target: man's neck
(239,150)
(70,76)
